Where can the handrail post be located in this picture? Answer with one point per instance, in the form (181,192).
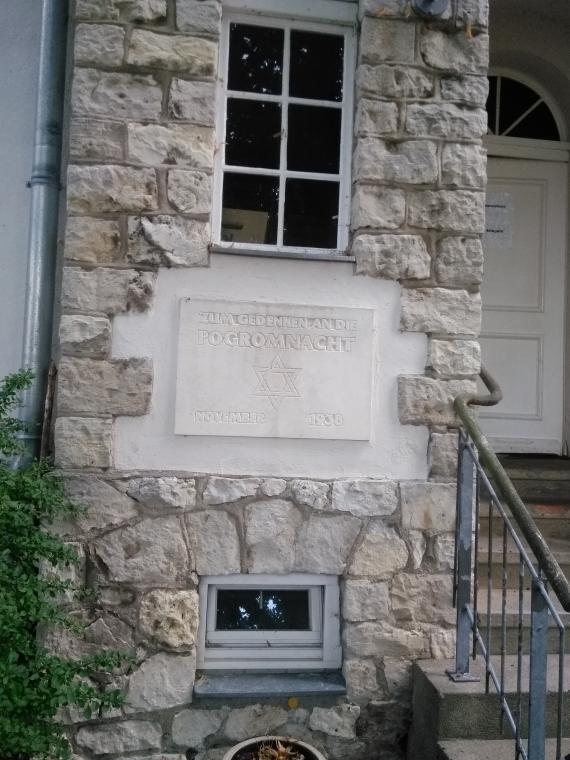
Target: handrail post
(538,669)
(463,549)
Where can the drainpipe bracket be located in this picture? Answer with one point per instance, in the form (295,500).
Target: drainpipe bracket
(458,677)
(430,8)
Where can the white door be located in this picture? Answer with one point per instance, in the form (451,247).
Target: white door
(523,303)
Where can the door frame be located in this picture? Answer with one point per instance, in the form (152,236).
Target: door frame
(544,150)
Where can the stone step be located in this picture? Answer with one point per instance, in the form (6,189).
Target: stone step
(501,749)
(538,467)
(444,710)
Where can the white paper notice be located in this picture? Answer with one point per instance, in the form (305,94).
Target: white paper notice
(274,370)
(499,210)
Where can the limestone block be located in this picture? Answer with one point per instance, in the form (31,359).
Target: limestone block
(83,442)
(127,10)
(442,644)
(114,94)
(163,492)
(151,552)
(365,498)
(386,8)
(140,291)
(195,56)
(120,737)
(395,82)
(425,401)
(458,210)
(270,533)
(383,40)
(215,543)
(117,386)
(227,490)
(395,257)
(445,120)
(456,53)
(199,16)
(191,727)
(474,11)
(438,310)
(336,721)
(193,101)
(374,206)
(383,640)
(361,679)
(311,492)
(190,192)
(428,506)
(412,161)
(444,551)
(381,554)
(161,682)
(417,543)
(398,676)
(93,138)
(101,290)
(459,261)
(471,90)
(110,189)
(170,617)
(93,241)
(423,599)
(182,144)
(464,165)
(84,336)
(455,357)
(365,600)
(325,543)
(254,720)
(273,486)
(109,632)
(376,117)
(168,241)
(443,455)
(99,44)
(105,507)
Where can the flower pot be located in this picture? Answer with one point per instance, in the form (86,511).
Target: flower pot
(247,750)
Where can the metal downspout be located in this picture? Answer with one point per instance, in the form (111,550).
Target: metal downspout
(45,186)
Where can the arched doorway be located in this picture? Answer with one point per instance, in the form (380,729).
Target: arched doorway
(524,293)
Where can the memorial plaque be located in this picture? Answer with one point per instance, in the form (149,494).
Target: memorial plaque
(274,370)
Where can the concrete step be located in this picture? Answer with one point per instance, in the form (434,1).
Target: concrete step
(502,749)
(444,710)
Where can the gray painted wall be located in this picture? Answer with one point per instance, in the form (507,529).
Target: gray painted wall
(19,53)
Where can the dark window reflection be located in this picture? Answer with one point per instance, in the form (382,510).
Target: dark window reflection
(255,59)
(249,213)
(313,139)
(538,125)
(262,610)
(253,133)
(316,66)
(516,98)
(492,104)
(311,213)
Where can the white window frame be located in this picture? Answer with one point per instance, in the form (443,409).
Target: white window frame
(340,20)
(316,649)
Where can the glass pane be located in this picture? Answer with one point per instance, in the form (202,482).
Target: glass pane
(311,213)
(253,133)
(316,66)
(263,610)
(249,213)
(538,125)
(255,59)
(492,105)
(515,99)
(313,140)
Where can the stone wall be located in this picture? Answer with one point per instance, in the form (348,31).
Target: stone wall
(139,192)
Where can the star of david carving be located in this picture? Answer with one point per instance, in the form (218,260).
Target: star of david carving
(277,382)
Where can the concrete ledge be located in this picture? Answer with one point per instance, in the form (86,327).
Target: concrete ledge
(272,685)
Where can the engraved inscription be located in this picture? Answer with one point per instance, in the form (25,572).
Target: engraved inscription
(273,370)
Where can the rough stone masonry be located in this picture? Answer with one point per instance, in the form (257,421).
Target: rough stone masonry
(139,197)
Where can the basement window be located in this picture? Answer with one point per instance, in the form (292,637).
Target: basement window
(284,135)
(263,622)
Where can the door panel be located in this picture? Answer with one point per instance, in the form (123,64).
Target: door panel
(523,303)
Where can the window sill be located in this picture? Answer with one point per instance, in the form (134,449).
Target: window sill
(269,685)
(338,256)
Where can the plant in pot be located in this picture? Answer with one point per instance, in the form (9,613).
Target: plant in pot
(273,748)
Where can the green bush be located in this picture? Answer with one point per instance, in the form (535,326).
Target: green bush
(35,684)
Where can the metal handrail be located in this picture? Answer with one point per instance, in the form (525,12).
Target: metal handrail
(546,559)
